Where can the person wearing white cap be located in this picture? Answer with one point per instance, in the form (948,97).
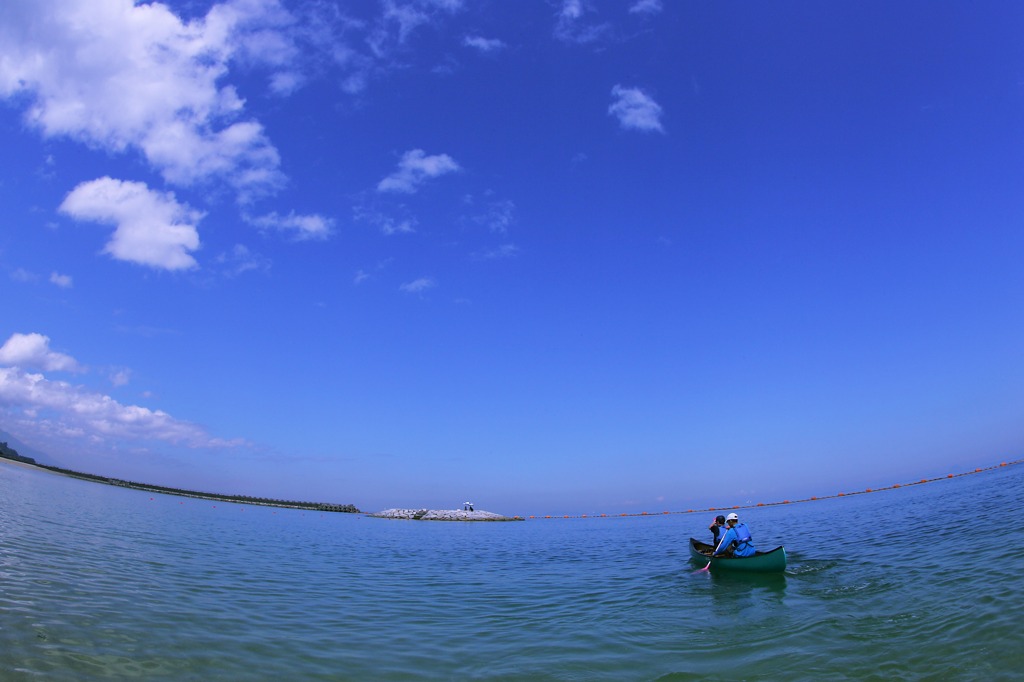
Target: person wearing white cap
(737,540)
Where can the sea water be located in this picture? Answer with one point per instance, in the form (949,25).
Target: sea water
(98,582)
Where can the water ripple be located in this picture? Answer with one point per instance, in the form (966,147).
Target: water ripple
(103,583)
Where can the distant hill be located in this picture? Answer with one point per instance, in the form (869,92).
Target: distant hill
(8,452)
(25,450)
(13,449)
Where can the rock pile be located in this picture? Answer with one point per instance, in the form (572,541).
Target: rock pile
(441,515)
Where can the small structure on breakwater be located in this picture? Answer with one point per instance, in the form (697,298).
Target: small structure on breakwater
(442,515)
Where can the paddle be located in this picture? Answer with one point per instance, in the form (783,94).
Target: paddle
(708,567)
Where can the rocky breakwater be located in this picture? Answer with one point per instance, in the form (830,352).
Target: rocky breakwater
(442,515)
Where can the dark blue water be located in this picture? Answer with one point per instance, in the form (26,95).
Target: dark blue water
(98,582)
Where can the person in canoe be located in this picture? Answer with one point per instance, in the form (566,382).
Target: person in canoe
(717,529)
(736,541)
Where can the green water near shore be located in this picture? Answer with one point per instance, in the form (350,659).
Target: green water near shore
(98,582)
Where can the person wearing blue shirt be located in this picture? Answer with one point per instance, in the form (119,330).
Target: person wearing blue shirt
(717,529)
(736,541)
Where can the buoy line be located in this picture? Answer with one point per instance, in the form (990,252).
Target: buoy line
(816,498)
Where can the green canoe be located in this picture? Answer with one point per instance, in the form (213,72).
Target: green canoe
(772,561)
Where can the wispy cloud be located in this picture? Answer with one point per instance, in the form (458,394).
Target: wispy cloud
(120,377)
(62,281)
(497,216)
(646,7)
(400,19)
(32,351)
(635,110)
(151,227)
(241,259)
(387,223)
(302,227)
(414,169)
(364,274)
(24,276)
(418,286)
(500,252)
(571,10)
(483,44)
(570,26)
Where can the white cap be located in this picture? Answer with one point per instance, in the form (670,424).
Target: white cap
(732,517)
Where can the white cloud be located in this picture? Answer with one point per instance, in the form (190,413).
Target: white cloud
(118,75)
(418,285)
(646,7)
(414,169)
(400,18)
(447,5)
(569,25)
(286,82)
(120,377)
(483,44)
(152,228)
(302,226)
(498,216)
(571,9)
(63,281)
(406,16)
(390,226)
(635,110)
(94,415)
(32,351)
(241,260)
(386,223)
(498,253)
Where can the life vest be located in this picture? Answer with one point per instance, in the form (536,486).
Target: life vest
(742,535)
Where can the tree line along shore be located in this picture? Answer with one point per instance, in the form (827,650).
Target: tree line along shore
(10,453)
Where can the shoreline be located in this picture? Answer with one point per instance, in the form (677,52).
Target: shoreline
(195,494)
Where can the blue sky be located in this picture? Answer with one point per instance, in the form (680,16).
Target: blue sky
(548,256)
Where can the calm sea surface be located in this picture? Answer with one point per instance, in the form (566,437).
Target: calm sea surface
(98,582)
